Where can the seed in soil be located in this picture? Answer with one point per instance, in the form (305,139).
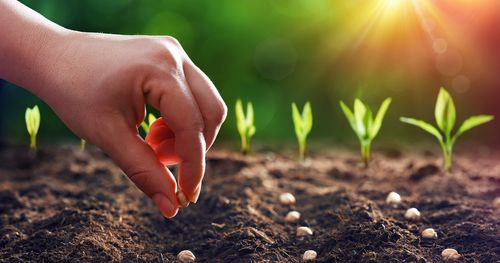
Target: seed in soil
(292,216)
(429,233)
(412,214)
(309,255)
(393,198)
(186,256)
(450,254)
(181,197)
(304,231)
(496,202)
(287,199)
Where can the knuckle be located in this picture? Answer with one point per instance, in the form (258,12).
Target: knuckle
(218,113)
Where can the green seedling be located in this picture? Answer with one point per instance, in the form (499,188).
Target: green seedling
(445,115)
(245,125)
(364,125)
(82,144)
(303,125)
(32,117)
(145,125)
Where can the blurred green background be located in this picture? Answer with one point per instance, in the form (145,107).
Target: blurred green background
(273,52)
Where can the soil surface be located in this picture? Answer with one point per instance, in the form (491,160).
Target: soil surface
(64,205)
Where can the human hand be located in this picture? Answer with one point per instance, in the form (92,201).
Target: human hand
(98,84)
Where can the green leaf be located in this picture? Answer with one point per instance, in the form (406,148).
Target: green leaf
(250,118)
(425,126)
(240,118)
(297,120)
(377,123)
(32,118)
(151,119)
(445,112)
(359,115)
(472,122)
(350,116)
(307,118)
(367,122)
(145,127)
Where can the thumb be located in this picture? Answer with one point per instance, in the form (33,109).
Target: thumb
(141,165)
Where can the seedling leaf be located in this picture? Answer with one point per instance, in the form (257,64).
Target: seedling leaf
(445,112)
(244,124)
(363,124)
(350,116)
(303,124)
(377,123)
(472,122)
(359,114)
(424,126)
(32,118)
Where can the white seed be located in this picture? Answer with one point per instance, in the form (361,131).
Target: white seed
(496,202)
(412,214)
(309,255)
(186,256)
(429,233)
(292,216)
(450,254)
(287,199)
(393,198)
(181,197)
(304,231)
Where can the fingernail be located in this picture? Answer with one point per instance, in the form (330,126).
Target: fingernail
(196,194)
(166,207)
(181,198)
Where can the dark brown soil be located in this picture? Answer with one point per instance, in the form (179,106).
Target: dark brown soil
(67,206)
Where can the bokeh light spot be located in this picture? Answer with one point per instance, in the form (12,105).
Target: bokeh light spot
(449,63)
(439,45)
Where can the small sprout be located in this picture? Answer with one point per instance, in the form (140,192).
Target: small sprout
(364,125)
(146,125)
(412,214)
(309,255)
(186,256)
(82,144)
(245,125)
(292,216)
(181,197)
(429,233)
(303,125)
(450,254)
(393,198)
(445,115)
(304,231)
(32,117)
(287,199)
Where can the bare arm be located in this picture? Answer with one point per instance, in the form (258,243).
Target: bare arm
(99,80)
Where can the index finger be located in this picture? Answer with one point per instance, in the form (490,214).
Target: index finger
(178,107)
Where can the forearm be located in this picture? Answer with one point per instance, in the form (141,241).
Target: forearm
(28,45)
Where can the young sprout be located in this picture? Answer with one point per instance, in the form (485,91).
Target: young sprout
(82,144)
(145,125)
(245,125)
(303,125)
(32,117)
(445,115)
(364,125)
